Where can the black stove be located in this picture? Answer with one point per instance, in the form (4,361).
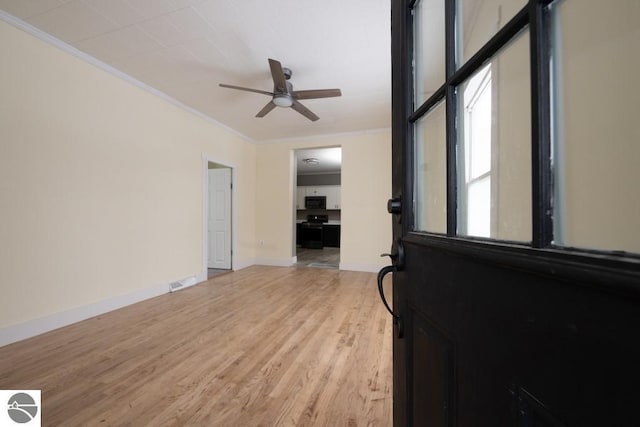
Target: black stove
(312,231)
(317,219)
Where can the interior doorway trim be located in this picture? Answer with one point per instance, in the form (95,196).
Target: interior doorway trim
(205,213)
(299,153)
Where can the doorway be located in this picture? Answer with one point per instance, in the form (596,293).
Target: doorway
(317,207)
(218,231)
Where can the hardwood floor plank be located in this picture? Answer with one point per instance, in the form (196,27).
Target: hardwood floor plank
(264,346)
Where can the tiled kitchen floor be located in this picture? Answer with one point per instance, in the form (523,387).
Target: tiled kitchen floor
(320,258)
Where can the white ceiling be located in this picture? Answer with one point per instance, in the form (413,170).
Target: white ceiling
(329,161)
(184,48)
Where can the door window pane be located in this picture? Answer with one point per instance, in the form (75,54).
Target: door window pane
(431,171)
(596,69)
(494,154)
(479,224)
(477,153)
(479,20)
(429,51)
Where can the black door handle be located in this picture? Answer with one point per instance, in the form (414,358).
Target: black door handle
(383,272)
(397,320)
(397,259)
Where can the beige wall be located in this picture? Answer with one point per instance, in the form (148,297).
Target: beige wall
(366,186)
(101,184)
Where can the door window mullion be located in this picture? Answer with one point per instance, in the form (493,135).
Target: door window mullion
(497,42)
(452,108)
(457,73)
(541,168)
(428,104)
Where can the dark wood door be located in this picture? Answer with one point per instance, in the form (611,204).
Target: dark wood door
(504,316)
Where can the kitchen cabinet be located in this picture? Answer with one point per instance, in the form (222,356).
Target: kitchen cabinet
(300,195)
(333,196)
(315,190)
(298,234)
(331,192)
(331,235)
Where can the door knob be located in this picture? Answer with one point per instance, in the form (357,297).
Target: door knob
(394,206)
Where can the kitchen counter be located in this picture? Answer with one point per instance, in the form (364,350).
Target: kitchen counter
(300,221)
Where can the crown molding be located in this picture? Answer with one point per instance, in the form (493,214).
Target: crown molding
(325,136)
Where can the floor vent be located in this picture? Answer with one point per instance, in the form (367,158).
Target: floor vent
(185,283)
(175,286)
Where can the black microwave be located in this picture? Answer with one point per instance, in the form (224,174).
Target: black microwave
(315,202)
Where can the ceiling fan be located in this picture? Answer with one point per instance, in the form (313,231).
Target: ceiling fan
(283,94)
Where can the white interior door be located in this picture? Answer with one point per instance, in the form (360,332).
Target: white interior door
(219,224)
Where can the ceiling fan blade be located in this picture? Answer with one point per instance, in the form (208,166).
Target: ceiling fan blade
(279,80)
(264,92)
(304,111)
(270,106)
(316,93)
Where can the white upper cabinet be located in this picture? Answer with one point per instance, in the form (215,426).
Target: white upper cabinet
(331,192)
(300,194)
(333,196)
(319,190)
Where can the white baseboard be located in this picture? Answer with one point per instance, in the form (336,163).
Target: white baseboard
(202,276)
(357,266)
(239,264)
(185,283)
(277,262)
(31,328)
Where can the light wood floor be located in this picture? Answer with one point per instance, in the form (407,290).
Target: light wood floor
(264,346)
(213,272)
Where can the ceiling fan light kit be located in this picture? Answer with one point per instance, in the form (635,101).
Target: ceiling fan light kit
(283,100)
(283,94)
